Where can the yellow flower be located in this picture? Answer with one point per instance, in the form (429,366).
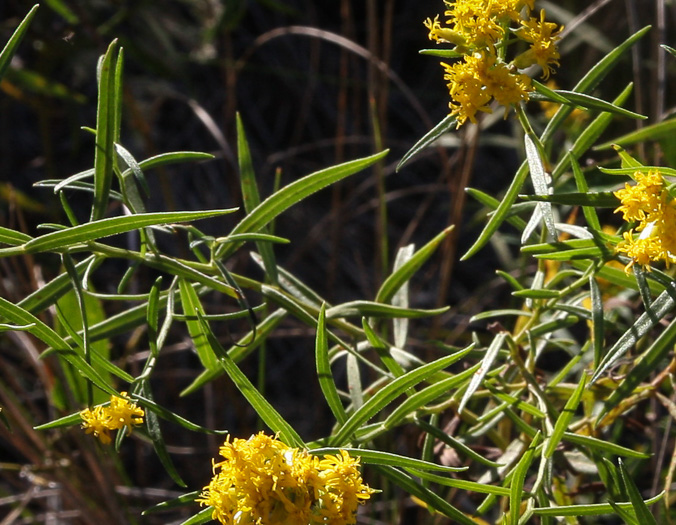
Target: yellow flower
(466,89)
(543,50)
(96,421)
(479,29)
(120,414)
(648,203)
(263,481)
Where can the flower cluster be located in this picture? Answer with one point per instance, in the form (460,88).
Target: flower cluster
(479,29)
(648,204)
(262,481)
(120,414)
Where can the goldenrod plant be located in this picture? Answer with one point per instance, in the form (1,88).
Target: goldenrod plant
(528,416)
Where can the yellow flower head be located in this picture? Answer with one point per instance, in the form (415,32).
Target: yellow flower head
(543,50)
(263,481)
(120,414)
(479,29)
(648,203)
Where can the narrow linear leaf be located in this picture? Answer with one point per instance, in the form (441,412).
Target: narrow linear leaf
(240,350)
(152,425)
(377,457)
(181,501)
(105,130)
(251,197)
(433,501)
(13,43)
(18,315)
(203,516)
(594,509)
(324,373)
(486,364)
(603,446)
(647,364)
(518,479)
(293,193)
(565,418)
(427,395)
(471,486)
(389,393)
(373,309)
(660,307)
(597,319)
(643,514)
(541,183)
(653,132)
(589,102)
(605,199)
(13,237)
(112,226)
(192,307)
(455,444)
(437,131)
(265,410)
(582,187)
(404,273)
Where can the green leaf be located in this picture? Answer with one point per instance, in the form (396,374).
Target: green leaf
(470,486)
(603,446)
(647,364)
(192,308)
(593,509)
(377,457)
(486,364)
(172,417)
(90,231)
(293,193)
(643,514)
(455,444)
(240,349)
(13,43)
(389,393)
(604,199)
(657,131)
(263,408)
(659,308)
(541,183)
(431,499)
(437,131)
(565,417)
(203,516)
(324,373)
(668,49)
(373,309)
(181,501)
(429,394)
(18,315)
(404,273)
(106,132)
(582,187)
(589,102)
(598,321)
(518,479)
(251,197)
(13,237)
(152,425)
